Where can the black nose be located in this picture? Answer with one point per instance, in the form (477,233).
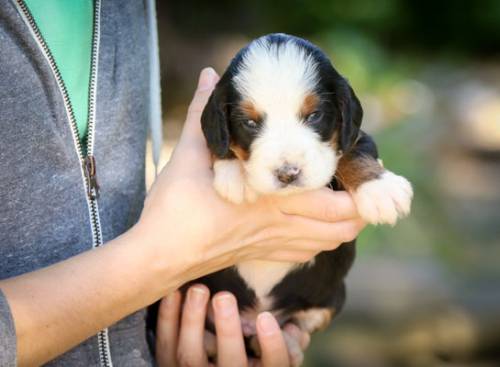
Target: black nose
(287,173)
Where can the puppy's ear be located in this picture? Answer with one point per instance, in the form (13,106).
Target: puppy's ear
(214,121)
(350,113)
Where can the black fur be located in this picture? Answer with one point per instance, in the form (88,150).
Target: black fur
(351,115)
(215,122)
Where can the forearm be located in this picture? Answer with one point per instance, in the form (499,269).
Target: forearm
(57,307)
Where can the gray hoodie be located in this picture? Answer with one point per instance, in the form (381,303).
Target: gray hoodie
(46,213)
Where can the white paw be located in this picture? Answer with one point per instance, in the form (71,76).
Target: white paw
(229,180)
(385,199)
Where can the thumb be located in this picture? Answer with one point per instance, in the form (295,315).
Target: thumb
(192,146)
(206,83)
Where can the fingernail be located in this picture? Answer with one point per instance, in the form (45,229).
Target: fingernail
(267,323)
(207,79)
(225,305)
(197,296)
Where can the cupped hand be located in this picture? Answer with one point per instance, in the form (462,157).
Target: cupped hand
(195,232)
(182,339)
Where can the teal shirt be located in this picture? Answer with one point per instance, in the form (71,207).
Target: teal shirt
(66,26)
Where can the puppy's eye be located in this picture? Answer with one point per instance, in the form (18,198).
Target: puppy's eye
(251,124)
(314,117)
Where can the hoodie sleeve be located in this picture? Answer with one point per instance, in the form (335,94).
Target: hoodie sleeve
(7,335)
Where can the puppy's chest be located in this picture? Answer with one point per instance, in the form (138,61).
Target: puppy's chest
(261,276)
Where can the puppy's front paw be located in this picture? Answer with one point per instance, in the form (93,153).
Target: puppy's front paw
(229,180)
(385,199)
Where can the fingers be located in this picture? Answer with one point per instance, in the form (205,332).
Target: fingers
(291,256)
(167,329)
(324,204)
(300,238)
(230,346)
(191,351)
(303,238)
(326,236)
(272,344)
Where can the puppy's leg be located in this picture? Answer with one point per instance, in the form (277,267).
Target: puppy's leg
(380,195)
(229,180)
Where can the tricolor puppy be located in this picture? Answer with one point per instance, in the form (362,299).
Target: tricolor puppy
(282,120)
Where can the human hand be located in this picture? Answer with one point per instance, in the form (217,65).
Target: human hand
(194,232)
(182,340)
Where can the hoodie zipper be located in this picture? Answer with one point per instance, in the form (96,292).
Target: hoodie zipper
(88,162)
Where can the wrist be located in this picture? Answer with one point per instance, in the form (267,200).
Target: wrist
(160,258)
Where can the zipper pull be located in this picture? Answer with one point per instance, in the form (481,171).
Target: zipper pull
(89,168)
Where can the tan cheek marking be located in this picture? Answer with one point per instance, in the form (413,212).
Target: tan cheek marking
(334,141)
(239,152)
(310,104)
(353,170)
(249,111)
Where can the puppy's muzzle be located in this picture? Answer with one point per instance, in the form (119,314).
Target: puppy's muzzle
(287,173)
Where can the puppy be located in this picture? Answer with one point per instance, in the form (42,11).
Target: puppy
(282,120)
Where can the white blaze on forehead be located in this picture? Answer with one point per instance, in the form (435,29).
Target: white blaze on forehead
(276,78)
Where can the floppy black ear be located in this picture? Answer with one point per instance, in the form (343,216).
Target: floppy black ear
(351,114)
(214,122)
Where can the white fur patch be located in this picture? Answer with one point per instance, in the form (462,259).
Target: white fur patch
(262,276)
(229,181)
(385,199)
(277,79)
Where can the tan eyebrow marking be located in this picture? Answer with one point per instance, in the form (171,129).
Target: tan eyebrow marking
(310,104)
(250,111)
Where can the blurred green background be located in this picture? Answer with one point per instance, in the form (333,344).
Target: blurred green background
(426,292)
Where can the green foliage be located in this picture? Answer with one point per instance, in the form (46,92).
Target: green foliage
(447,25)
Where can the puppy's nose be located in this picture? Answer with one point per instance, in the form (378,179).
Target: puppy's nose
(287,173)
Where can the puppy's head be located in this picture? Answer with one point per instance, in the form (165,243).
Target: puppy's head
(284,112)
